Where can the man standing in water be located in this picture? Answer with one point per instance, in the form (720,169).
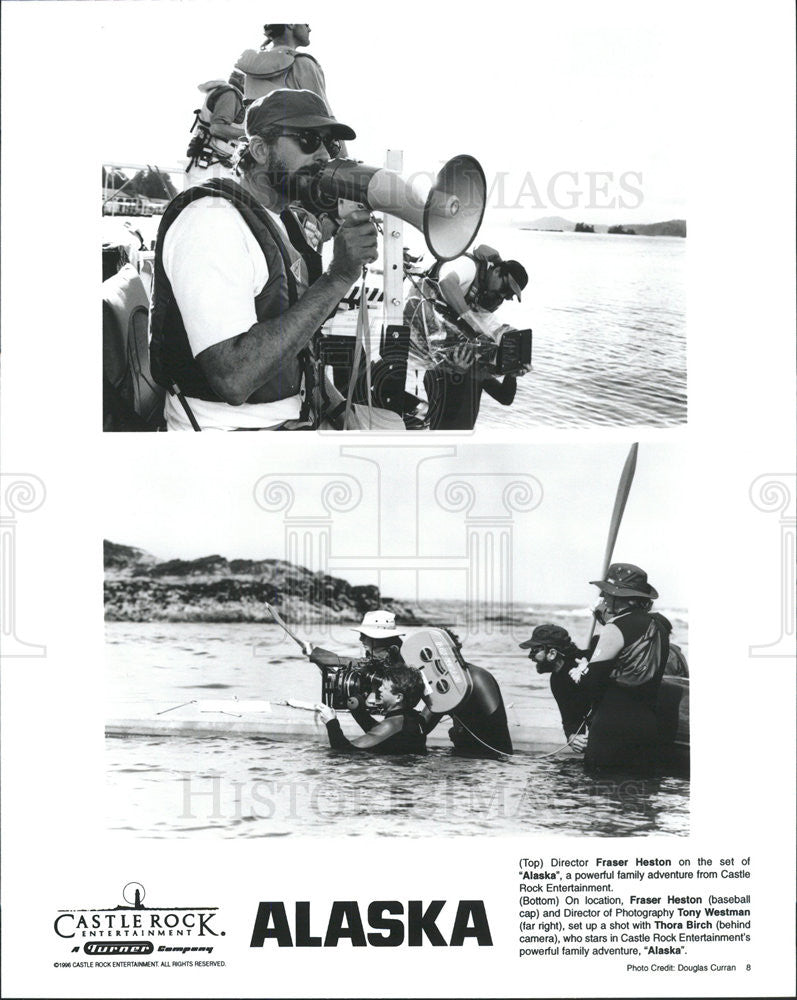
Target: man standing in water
(480,727)
(479,724)
(402,728)
(624,673)
(553,652)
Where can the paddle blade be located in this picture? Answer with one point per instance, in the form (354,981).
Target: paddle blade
(623,489)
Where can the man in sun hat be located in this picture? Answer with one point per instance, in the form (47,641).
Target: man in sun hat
(553,652)
(624,672)
(378,633)
(233,309)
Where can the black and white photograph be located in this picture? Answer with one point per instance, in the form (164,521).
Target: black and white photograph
(441,662)
(398,247)
(513,699)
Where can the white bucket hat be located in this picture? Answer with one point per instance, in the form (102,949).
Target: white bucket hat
(378,625)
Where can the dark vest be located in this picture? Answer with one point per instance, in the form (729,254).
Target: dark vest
(171,359)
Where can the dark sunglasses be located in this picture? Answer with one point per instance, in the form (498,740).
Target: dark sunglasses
(309,142)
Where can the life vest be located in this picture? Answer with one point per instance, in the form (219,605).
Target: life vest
(644,659)
(270,69)
(479,282)
(289,275)
(204,148)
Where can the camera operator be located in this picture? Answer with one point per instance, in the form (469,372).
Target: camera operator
(473,287)
(454,389)
(402,728)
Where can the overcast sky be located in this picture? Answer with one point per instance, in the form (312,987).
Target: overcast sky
(196,501)
(536,91)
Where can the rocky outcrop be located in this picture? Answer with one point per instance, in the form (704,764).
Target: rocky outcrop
(141,587)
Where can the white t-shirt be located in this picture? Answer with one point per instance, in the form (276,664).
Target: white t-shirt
(481,320)
(465,270)
(216,269)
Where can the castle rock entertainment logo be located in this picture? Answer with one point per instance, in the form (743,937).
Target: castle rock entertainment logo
(133,929)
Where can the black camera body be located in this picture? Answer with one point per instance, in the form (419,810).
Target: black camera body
(514,352)
(358,677)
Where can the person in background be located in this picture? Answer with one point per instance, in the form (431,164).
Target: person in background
(377,633)
(217,130)
(278,63)
(624,673)
(553,652)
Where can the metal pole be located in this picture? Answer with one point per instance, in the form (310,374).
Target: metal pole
(393,254)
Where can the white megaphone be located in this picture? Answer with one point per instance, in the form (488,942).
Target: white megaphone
(448,212)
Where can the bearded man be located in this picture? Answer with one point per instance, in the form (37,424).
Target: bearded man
(239,291)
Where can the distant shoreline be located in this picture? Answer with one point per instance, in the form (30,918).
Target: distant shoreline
(571,232)
(675,228)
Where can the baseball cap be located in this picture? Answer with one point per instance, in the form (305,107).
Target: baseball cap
(553,636)
(516,276)
(293,109)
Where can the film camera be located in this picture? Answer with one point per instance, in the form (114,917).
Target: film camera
(358,677)
(512,354)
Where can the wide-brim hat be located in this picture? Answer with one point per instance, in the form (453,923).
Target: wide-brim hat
(300,109)
(548,637)
(378,625)
(626,580)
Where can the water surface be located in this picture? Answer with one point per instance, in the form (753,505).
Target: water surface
(236,787)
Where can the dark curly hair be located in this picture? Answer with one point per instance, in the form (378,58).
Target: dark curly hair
(407,681)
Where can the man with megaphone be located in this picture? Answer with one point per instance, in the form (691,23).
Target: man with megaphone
(238,290)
